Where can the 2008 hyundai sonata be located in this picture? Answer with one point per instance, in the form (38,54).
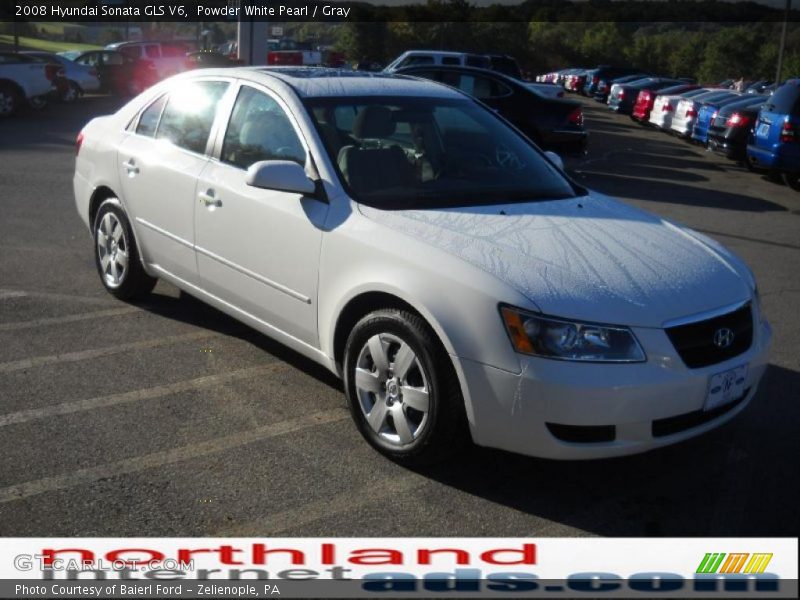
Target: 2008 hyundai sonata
(409,239)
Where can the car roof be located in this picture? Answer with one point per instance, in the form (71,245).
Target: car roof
(320,82)
(441,53)
(457,68)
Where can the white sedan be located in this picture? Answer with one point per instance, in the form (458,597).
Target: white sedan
(414,243)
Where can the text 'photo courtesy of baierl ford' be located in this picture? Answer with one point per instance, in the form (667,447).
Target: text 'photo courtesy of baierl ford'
(399,298)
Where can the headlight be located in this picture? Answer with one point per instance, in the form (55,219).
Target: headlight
(570,340)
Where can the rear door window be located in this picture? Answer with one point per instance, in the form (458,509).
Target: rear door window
(189,114)
(424,59)
(481,62)
(148,121)
(132,51)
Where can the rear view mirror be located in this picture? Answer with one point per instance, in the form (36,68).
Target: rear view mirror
(282,175)
(555,159)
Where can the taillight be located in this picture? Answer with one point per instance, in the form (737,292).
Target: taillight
(576,117)
(78,143)
(737,120)
(691,111)
(788,133)
(621,94)
(666,107)
(595,80)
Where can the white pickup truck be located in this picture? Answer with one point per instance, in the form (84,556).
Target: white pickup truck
(23,79)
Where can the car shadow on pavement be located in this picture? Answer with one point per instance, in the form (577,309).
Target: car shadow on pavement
(673,193)
(740,479)
(187,309)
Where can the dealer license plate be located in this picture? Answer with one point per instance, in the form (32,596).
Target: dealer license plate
(726,387)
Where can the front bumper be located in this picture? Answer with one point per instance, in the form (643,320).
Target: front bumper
(644,405)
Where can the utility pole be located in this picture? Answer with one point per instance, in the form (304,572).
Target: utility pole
(782,48)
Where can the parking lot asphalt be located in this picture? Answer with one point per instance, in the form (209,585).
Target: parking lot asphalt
(169,418)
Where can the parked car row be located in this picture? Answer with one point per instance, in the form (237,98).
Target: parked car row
(755,123)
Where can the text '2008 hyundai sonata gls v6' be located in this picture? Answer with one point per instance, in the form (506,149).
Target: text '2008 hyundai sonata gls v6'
(417,245)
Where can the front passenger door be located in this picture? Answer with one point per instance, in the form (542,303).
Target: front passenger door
(258,249)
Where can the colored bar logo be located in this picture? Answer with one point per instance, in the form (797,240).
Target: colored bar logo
(735,562)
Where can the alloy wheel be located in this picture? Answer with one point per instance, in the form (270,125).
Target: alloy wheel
(112,250)
(6,103)
(392,388)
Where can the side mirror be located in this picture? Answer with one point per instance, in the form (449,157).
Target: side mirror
(555,159)
(282,175)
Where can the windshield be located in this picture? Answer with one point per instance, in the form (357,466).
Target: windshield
(406,152)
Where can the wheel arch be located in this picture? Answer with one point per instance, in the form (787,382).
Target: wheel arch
(13,84)
(363,302)
(100,195)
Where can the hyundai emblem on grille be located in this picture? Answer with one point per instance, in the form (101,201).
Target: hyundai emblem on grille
(723,337)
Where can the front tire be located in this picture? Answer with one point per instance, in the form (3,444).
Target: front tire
(72,93)
(38,102)
(402,389)
(116,254)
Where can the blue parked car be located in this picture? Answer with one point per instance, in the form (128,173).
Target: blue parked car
(706,115)
(775,144)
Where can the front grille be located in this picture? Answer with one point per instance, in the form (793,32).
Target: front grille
(671,425)
(695,341)
(583,434)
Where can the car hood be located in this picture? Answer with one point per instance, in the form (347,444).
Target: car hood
(590,258)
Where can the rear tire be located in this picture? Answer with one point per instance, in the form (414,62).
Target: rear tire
(792,180)
(116,255)
(402,389)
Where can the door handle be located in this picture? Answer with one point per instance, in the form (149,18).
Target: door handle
(131,167)
(209,199)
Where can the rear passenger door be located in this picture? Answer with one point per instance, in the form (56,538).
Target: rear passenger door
(258,249)
(159,163)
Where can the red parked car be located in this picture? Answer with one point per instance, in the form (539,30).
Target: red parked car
(647,97)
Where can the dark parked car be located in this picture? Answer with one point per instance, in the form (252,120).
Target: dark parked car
(503,63)
(623,96)
(775,143)
(706,114)
(552,123)
(604,74)
(119,73)
(604,85)
(733,125)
